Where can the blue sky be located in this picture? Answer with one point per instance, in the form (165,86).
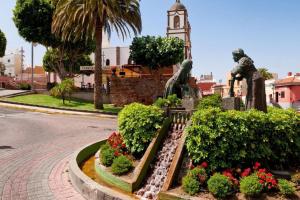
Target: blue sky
(268,31)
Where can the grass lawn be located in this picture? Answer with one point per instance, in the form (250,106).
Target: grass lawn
(47,100)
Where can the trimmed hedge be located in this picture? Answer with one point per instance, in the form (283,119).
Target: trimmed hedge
(231,138)
(251,186)
(107,155)
(121,165)
(219,185)
(138,125)
(214,100)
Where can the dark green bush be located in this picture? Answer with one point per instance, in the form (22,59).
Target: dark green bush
(214,100)
(198,174)
(172,101)
(138,125)
(227,139)
(250,185)
(121,165)
(107,155)
(25,86)
(286,188)
(219,185)
(190,185)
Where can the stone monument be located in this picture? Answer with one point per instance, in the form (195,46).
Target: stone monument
(256,94)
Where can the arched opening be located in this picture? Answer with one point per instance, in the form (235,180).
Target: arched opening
(176,22)
(107,62)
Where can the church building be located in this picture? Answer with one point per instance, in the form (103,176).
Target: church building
(179,26)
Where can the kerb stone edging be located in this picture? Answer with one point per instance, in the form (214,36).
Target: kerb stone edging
(88,188)
(48,109)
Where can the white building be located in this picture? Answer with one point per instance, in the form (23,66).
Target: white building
(12,63)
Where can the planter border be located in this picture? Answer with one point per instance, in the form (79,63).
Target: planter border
(140,171)
(87,187)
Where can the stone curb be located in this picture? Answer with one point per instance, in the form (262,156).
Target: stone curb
(54,110)
(86,186)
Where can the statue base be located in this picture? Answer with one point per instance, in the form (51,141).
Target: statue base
(231,103)
(189,103)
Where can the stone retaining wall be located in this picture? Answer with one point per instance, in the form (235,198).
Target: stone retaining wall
(145,90)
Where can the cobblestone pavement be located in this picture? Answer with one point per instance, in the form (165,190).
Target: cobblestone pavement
(35,149)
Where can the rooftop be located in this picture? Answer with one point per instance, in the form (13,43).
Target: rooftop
(177,6)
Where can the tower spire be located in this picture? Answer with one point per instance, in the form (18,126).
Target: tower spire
(177,1)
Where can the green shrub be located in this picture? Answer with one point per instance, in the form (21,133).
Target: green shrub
(190,185)
(227,139)
(198,174)
(138,125)
(63,89)
(219,185)
(121,165)
(25,86)
(107,155)
(172,101)
(214,100)
(286,188)
(251,186)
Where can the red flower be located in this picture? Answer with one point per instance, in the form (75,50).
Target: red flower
(116,153)
(246,172)
(256,165)
(261,181)
(262,170)
(204,165)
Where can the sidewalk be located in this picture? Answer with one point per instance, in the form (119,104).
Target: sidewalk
(55,111)
(4,92)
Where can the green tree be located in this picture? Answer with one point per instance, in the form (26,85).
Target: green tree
(2,44)
(33,19)
(63,89)
(89,19)
(265,73)
(156,52)
(71,63)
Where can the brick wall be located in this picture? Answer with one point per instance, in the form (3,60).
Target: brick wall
(145,90)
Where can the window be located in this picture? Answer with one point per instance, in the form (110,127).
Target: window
(176,22)
(282,95)
(107,62)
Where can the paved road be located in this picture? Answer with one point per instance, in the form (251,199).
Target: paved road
(35,149)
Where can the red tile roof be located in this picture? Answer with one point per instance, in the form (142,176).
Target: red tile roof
(288,81)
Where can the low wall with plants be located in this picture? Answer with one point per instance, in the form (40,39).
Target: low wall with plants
(233,138)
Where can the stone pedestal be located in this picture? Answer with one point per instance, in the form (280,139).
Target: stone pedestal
(231,103)
(189,103)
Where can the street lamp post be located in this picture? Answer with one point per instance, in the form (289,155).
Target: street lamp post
(32,56)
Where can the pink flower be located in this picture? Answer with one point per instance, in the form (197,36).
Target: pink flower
(256,165)
(246,172)
(204,165)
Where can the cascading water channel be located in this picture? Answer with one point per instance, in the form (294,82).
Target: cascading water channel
(159,169)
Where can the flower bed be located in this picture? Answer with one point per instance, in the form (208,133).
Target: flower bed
(223,148)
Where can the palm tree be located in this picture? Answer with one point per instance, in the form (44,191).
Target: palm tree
(264,72)
(78,19)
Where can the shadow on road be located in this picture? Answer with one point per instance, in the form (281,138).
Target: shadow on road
(6,147)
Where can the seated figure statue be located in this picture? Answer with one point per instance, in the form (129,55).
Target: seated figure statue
(256,95)
(178,83)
